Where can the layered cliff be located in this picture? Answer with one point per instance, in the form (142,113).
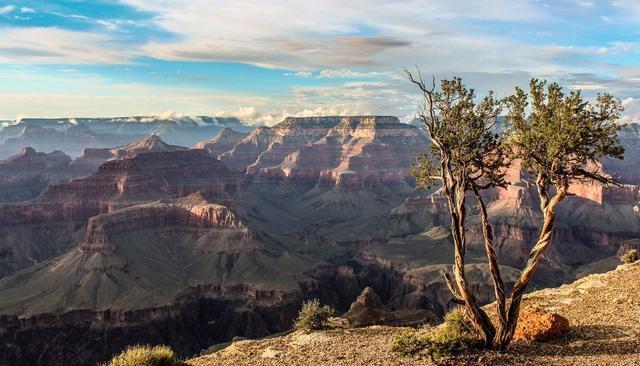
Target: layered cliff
(186,264)
(151,175)
(222,142)
(178,130)
(42,228)
(346,152)
(24,176)
(92,158)
(111,267)
(72,140)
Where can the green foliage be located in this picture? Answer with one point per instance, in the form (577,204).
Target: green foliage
(146,356)
(409,342)
(562,133)
(465,148)
(456,323)
(455,335)
(630,256)
(313,316)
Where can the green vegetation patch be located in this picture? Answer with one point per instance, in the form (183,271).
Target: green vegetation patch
(313,316)
(452,337)
(146,356)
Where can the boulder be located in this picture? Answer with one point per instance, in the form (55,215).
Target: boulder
(368,298)
(368,310)
(537,324)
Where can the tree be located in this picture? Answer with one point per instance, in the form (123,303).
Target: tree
(557,139)
(467,156)
(560,141)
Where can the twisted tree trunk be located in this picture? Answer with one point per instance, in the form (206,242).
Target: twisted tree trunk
(462,291)
(535,256)
(494,268)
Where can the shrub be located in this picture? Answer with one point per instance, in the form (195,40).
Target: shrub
(631,256)
(455,322)
(453,336)
(146,356)
(409,342)
(313,316)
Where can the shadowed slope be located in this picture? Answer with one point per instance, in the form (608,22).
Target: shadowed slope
(600,308)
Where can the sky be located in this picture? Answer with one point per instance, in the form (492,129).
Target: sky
(263,60)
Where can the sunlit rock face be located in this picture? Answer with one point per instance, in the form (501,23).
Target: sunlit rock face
(222,142)
(46,226)
(590,223)
(158,174)
(92,158)
(346,152)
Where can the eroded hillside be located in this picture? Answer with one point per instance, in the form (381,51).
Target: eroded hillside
(603,311)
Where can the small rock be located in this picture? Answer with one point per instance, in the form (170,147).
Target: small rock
(270,353)
(302,339)
(536,324)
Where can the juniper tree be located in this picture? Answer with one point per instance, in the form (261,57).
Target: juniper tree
(557,138)
(560,139)
(466,157)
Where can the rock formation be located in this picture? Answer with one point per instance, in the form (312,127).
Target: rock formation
(368,310)
(71,140)
(46,227)
(160,237)
(346,152)
(110,267)
(151,175)
(92,158)
(222,142)
(24,176)
(604,331)
(178,130)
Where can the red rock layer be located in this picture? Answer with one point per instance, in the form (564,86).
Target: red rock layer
(345,152)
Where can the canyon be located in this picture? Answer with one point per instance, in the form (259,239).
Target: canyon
(156,243)
(73,135)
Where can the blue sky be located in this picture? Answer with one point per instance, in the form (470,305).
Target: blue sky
(262,61)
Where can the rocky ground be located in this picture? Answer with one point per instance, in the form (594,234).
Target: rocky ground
(603,310)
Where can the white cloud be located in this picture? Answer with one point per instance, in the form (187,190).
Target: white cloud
(587,86)
(367,42)
(333,34)
(6,9)
(631,110)
(55,45)
(347,73)
(338,37)
(107,24)
(170,114)
(299,74)
(25,9)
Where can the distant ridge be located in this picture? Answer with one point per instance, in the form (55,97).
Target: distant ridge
(177,130)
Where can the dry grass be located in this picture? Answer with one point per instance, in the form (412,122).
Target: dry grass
(313,316)
(146,356)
